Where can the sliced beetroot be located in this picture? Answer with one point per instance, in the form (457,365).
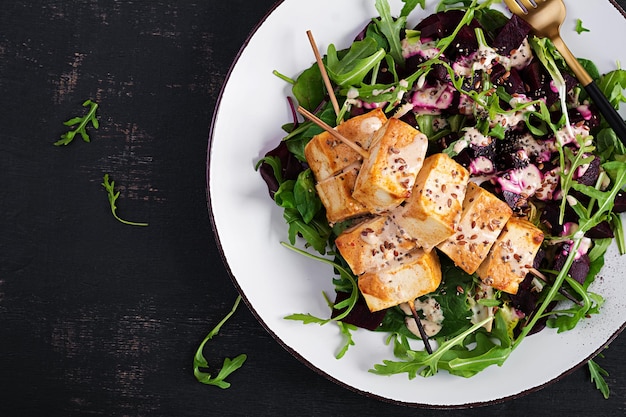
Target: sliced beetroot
(509,79)
(589,115)
(601,231)
(291,167)
(360,315)
(511,35)
(620,203)
(580,267)
(488,151)
(591,174)
(439,25)
(526,299)
(442,24)
(550,217)
(539,82)
(514,200)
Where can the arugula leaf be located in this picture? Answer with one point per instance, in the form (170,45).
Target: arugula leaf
(612,86)
(391,28)
(113,196)
(579,27)
(616,221)
(421,362)
(82,123)
(200,364)
(347,305)
(597,376)
(410,5)
(352,68)
(564,320)
(346,330)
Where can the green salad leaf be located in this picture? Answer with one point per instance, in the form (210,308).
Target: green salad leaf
(81,123)
(113,195)
(355,64)
(201,364)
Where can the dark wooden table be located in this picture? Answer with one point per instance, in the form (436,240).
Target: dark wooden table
(101,318)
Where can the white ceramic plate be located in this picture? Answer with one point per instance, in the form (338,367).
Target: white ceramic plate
(276,282)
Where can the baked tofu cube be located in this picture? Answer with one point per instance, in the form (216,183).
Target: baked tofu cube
(482,218)
(415,274)
(387,176)
(511,256)
(336,195)
(327,155)
(372,245)
(430,215)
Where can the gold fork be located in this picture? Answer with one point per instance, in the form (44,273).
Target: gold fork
(545,17)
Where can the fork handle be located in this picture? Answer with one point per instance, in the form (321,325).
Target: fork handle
(613,118)
(611,115)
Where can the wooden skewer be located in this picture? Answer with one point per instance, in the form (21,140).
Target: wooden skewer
(320,64)
(420,327)
(562,291)
(333,132)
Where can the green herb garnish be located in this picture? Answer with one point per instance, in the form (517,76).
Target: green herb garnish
(200,364)
(580,28)
(113,195)
(82,123)
(597,377)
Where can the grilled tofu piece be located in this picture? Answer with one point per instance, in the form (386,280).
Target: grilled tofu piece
(327,156)
(511,256)
(482,219)
(415,274)
(386,178)
(372,245)
(336,195)
(430,215)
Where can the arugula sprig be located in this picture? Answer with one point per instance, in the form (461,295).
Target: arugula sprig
(200,363)
(82,122)
(113,195)
(347,281)
(597,376)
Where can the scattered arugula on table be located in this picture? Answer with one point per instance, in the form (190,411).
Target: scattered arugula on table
(113,195)
(597,377)
(82,122)
(200,363)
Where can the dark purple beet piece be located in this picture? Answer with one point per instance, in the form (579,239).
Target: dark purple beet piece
(510,80)
(591,174)
(291,167)
(511,35)
(580,267)
(525,300)
(538,82)
(360,315)
(550,217)
(591,118)
(601,231)
(620,203)
(440,25)
(514,200)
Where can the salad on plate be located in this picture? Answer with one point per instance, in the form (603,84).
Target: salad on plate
(466,193)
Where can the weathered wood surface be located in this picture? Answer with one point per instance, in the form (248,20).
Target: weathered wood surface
(99,318)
